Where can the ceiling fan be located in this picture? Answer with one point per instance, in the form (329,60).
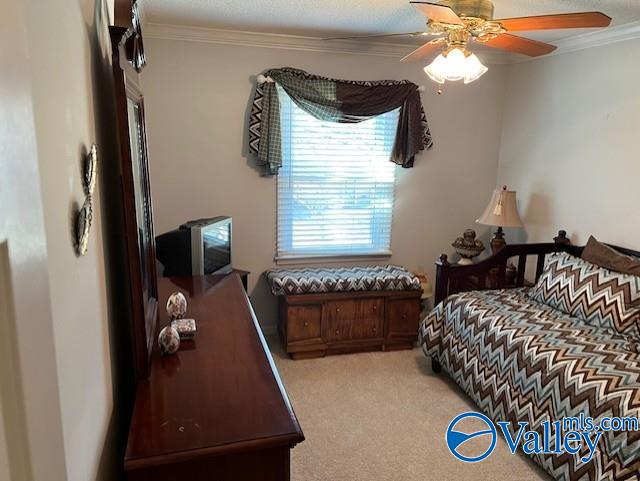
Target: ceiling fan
(456,23)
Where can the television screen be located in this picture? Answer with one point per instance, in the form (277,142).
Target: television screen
(198,247)
(210,245)
(216,247)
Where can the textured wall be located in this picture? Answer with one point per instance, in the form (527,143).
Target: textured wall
(73,102)
(30,420)
(198,97)
(569,144)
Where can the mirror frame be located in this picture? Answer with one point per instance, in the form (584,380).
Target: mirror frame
(141,263)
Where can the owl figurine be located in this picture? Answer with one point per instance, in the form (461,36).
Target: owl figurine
(168,341)
(176,306)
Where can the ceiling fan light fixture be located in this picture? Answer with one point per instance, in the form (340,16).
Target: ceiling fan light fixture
(474,69)
(456,64)
(436,70)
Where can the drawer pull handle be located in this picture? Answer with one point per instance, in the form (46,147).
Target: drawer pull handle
(375,330)
(375,308)
(337,332)
(337,309)
(404,316)
(306,324)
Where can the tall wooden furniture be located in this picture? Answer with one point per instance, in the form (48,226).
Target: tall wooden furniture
(313,325)
(217,409)
(135,191)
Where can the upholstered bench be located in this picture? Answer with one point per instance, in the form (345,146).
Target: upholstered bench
(346,309)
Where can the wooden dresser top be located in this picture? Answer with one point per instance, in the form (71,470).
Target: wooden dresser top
(220,393)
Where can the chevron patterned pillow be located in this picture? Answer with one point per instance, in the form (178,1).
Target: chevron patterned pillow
(594,294)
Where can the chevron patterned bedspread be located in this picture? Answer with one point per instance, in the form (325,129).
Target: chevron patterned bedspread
(521,360)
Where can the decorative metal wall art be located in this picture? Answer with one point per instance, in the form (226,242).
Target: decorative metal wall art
(84,216)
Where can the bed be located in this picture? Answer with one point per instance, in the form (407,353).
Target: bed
(522,356)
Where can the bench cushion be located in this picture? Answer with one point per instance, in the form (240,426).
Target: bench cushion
(341,279)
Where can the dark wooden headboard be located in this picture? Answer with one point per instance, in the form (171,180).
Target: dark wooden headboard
(491,273)
(624,250)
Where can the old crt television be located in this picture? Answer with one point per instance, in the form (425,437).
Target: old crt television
(196,248)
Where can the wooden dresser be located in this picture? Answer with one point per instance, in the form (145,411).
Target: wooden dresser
(216,410)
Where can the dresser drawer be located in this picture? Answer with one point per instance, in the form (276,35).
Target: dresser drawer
(369,319)
(303,322)
(403,318)
(353,320)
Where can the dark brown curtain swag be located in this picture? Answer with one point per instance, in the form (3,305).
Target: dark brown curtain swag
(335,101)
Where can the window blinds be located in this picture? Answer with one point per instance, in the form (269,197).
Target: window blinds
(336,185)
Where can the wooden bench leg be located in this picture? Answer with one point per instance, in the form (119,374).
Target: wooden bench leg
(435,366)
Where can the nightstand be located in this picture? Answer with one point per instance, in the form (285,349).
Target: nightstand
(426,300)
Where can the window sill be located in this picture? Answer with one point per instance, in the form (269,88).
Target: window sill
(322,259)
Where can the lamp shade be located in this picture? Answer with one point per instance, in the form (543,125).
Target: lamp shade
(502,211)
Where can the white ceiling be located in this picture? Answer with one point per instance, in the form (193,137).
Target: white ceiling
(336,17)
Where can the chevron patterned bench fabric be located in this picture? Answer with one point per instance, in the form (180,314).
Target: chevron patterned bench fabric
(521,360)
(340,279)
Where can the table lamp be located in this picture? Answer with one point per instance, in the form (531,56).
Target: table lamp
(501,212)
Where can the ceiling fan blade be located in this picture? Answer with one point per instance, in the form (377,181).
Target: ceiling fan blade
(438,13)
(427,49)
(525,46)
(410,34)
(564,20)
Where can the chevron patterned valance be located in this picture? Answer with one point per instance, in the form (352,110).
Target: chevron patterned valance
(336,101)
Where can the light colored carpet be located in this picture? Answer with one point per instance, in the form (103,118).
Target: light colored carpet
(382,417)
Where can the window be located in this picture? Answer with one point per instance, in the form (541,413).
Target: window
(336,185)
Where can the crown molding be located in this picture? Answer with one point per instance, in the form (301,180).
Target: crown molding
(285,42)
(273,40)
(186,33)
(599,38)
(620,33)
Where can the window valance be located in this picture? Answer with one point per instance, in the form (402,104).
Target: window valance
(336,101)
